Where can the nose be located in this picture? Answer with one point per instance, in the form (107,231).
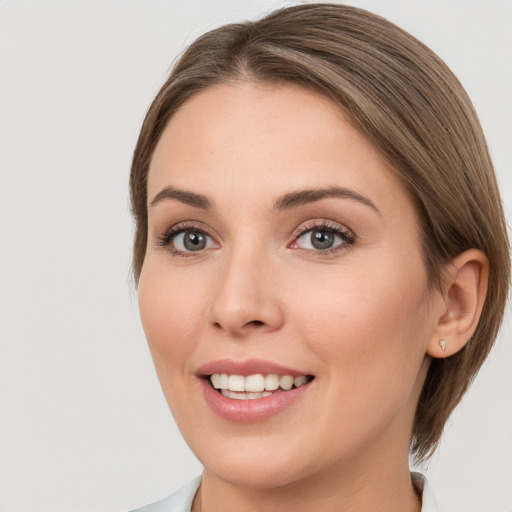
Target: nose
(246,296)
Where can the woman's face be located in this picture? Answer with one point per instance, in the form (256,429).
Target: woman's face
(282,251)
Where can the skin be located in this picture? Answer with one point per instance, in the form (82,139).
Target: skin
(360,319)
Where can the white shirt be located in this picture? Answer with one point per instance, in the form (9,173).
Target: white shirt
(181,501)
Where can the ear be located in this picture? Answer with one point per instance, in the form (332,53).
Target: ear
(464,289)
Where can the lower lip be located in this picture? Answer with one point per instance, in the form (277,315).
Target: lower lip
(249,411)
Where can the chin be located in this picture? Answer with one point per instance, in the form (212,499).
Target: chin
(264,461)
(256,475)
(259,461)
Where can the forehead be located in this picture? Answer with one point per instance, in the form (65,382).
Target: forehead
(255,139)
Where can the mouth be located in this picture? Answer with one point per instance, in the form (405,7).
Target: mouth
(253,390)
(255,386)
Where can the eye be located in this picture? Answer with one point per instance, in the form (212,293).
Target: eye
(182,240)
(324,237)
(191,241)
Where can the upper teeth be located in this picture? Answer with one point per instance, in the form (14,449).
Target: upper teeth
(257,382)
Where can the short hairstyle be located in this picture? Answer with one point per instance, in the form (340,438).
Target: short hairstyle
(402,98)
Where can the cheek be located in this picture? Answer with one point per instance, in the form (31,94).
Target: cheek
(366,327)
(171,316)
(369,336)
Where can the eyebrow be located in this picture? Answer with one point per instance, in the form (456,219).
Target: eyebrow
(285,202)
(184,196)
(301,197)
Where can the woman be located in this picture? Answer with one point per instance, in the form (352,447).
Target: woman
(321,257)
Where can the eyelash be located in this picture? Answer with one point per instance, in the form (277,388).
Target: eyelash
(349,239)
(165,239)
(345,234)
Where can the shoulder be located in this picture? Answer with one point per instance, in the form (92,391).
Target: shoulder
(180,501)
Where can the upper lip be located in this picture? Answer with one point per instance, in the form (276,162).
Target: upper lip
(247,367)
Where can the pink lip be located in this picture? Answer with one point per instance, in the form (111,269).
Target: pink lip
(248,411)
(249,367)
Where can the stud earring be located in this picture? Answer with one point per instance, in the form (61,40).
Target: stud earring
(443,345)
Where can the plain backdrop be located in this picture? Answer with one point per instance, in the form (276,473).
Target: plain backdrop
(84,426)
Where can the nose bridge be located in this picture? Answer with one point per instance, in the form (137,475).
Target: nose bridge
(246,297)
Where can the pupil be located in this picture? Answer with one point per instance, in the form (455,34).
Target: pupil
(194,241)
(322,239)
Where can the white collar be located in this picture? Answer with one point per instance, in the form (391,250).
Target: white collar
(428,501)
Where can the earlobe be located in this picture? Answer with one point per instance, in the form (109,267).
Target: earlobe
(464,290)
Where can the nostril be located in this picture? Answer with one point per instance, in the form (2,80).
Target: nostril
(253,323)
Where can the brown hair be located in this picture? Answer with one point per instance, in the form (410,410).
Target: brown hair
(403,99)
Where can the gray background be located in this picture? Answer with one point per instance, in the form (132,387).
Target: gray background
(84,426)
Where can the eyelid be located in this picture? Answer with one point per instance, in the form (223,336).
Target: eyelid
(345,233)
(165,238)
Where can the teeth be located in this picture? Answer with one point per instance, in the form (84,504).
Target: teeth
(286,382)
(271,382)
(299,381)
(254,386)
(220,381)
(215,380)
(224,381)
(243,396)
(236,383)
(255,383)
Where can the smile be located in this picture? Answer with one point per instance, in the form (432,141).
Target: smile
(251,387)
(252,390)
